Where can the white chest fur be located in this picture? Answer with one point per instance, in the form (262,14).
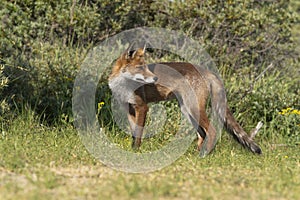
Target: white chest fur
(123,89)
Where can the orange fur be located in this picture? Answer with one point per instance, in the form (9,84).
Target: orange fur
(136,84)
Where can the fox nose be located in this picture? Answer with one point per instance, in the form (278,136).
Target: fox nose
(155,78)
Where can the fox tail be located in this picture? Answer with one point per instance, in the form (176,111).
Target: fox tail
(220,108)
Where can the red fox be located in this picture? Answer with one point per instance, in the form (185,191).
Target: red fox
(135,84)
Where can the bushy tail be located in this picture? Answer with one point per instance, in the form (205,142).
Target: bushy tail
(221,109)
(239,134)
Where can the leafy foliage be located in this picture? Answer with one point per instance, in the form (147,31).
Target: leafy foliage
(43,43)
(3,83)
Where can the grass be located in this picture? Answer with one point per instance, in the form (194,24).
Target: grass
(38,162)
(41,162)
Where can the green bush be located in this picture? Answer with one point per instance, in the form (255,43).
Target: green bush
(3,83)
(43,43)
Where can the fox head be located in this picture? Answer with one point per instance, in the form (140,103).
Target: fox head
(131,65)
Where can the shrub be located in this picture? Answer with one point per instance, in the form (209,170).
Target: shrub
(43,43)
(3,83)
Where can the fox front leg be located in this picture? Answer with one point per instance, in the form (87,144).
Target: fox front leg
(131,117)
(140,117)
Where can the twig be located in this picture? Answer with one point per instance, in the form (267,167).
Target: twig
(256,129)
(256,79)
(263,72)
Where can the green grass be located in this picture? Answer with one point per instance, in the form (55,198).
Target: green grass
(38,162)
(41,162)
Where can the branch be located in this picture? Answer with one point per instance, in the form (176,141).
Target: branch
(256,129)
(256,79)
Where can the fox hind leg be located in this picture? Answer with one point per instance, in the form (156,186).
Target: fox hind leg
(205,130)
(210,134)
(201,136)
(200,133)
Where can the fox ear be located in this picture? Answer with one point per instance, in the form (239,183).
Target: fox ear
(130,54)
(128,50)
(144,49)
(127,55)
(133,54)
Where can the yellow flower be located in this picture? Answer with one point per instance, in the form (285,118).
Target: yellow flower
(296,112)
(288,111)
(100,105)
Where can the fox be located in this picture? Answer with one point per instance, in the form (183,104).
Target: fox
(134,84)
